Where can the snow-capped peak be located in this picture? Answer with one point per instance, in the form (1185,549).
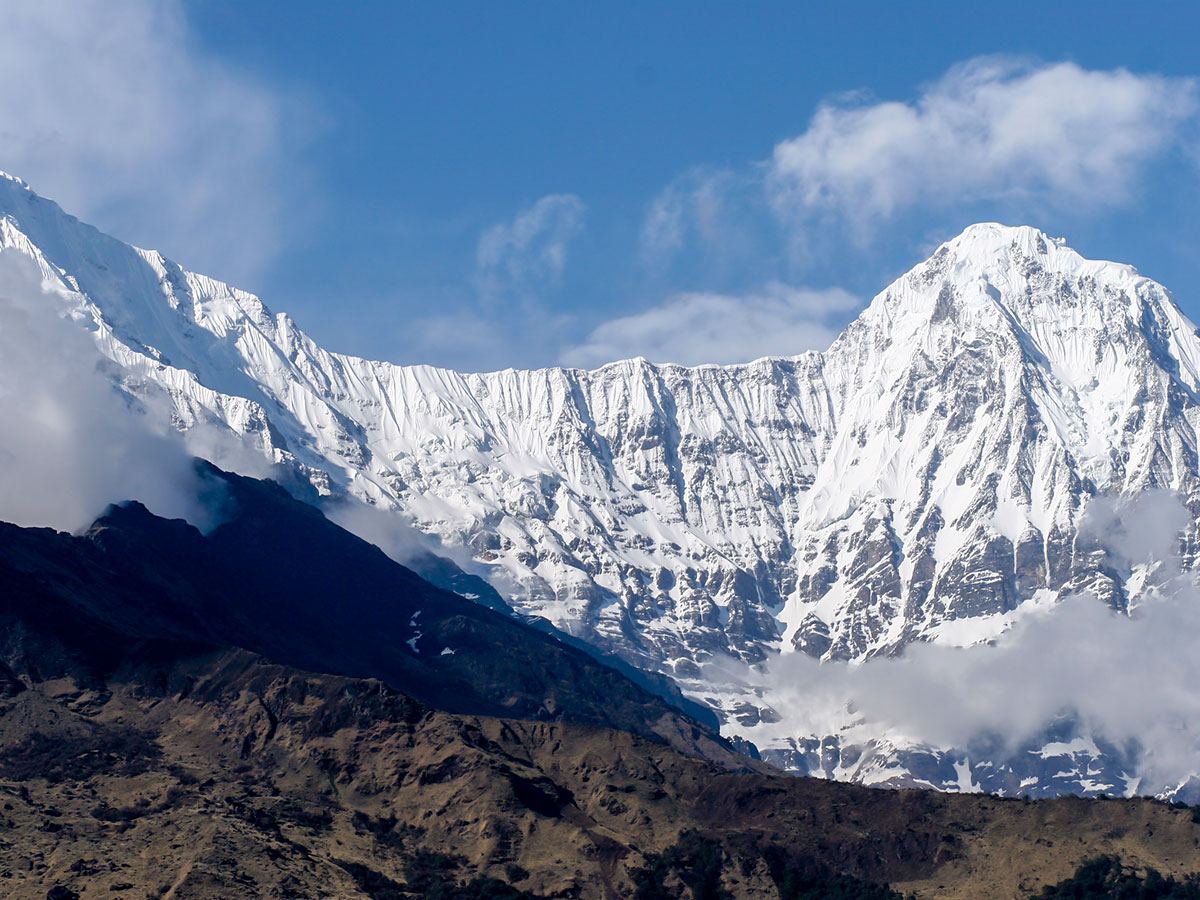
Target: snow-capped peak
(14,179)
(989,246)
(985,240)
(997,266)
(924,479)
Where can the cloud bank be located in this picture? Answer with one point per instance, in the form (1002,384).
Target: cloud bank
(697,328)
(990,128)
(1128,679)
(995,135)
(71,442)
(110,108)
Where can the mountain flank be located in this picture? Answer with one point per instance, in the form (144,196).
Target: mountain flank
(183,716)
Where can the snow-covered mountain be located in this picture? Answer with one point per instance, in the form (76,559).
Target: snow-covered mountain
(922,480)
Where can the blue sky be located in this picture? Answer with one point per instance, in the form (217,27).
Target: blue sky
(483,185)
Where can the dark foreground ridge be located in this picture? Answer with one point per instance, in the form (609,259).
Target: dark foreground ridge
(165,732)
(278,578)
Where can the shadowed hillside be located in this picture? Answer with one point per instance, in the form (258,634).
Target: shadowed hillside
(165,732)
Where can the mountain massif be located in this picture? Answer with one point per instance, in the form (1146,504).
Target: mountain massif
(925,479)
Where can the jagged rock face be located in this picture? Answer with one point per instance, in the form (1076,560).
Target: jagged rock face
(918,481)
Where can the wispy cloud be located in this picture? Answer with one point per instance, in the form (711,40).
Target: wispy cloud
(527,256)
(695,328)
(995,137)
(111,108)
(519,265)
(697,205)
(990,128)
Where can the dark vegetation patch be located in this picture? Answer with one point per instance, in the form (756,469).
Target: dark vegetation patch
(696,862)
(799,880)
(431,876)
(388,831)
(541,796)
(1106,879)
(122,753)
(289,812)
(374,884)
(301,815)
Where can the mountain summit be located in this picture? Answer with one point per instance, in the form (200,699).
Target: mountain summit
(924,479)
(976,405)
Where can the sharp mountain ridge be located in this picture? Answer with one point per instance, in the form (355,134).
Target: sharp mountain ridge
(924,479)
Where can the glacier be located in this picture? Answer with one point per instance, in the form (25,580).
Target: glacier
(922,480)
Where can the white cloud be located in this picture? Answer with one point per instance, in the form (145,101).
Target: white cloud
(1127,680)
(110,108)
(529,253)
(1131,680)
(71,443)
(695,328)
(990,128)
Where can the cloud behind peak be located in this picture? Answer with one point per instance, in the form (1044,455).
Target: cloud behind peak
(989,128)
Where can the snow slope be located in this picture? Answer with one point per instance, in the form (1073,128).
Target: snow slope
(920,480)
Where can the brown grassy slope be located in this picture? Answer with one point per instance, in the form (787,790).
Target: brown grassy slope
(226,776)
